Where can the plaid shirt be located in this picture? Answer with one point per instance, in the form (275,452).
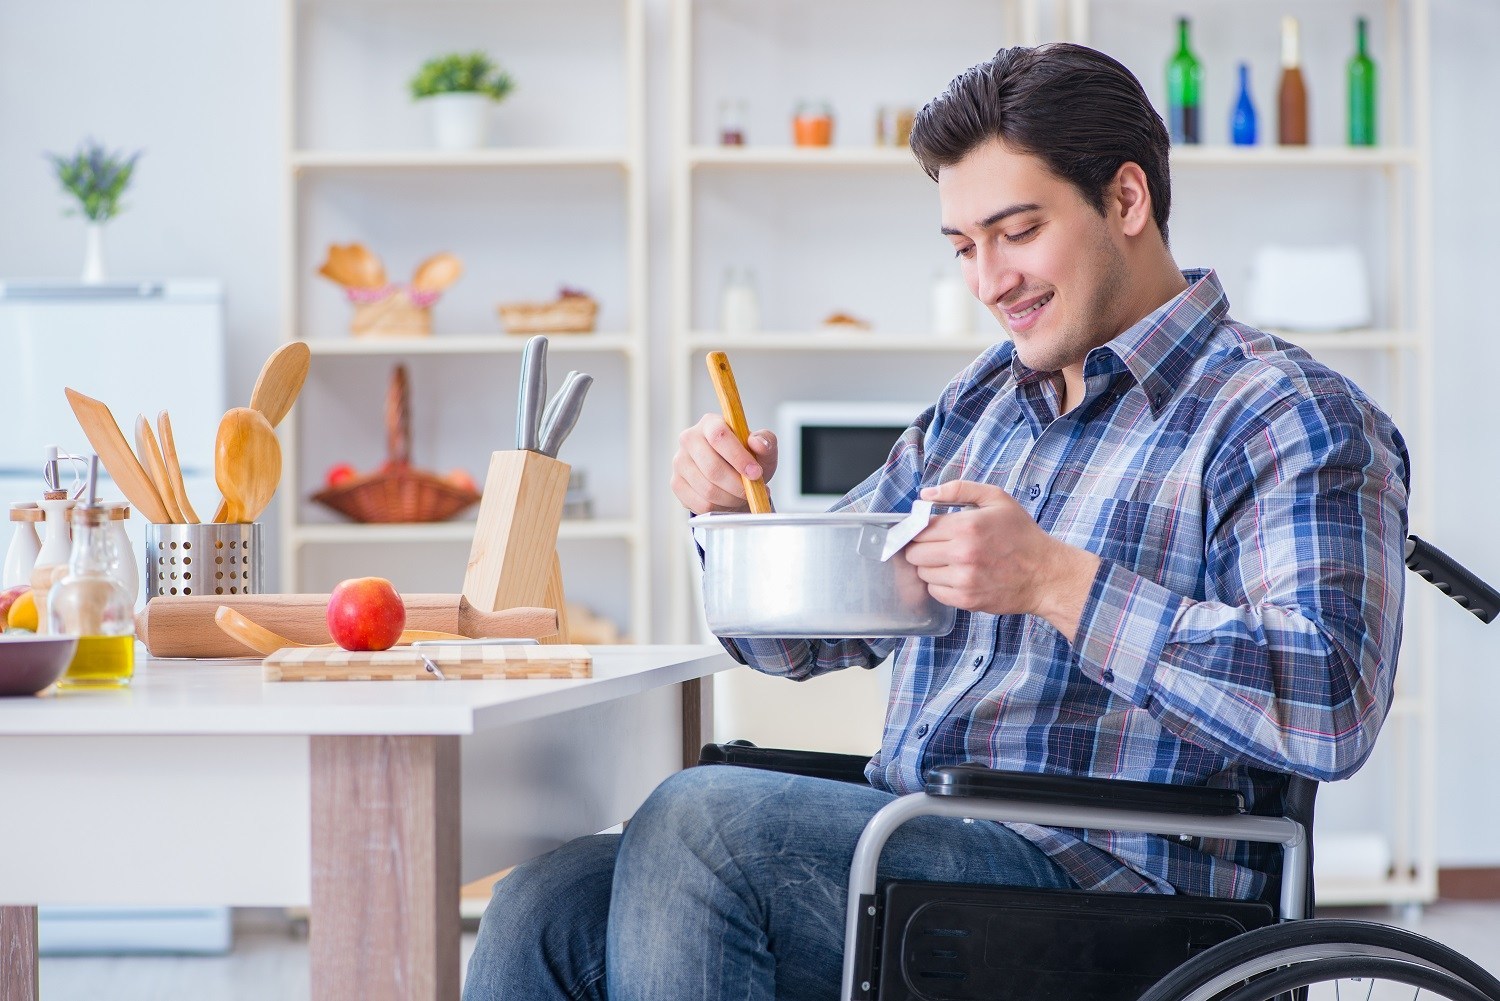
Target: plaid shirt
(1249,506)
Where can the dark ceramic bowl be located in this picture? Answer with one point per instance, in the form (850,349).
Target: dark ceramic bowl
(29,664)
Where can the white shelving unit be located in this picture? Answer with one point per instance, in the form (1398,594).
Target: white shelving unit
(1226,201)
(1394,799)
(568,157)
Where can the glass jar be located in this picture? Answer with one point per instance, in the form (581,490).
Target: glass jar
(732,116)
(739,307)
(92,604)
(813,124)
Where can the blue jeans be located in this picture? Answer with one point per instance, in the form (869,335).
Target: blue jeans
(728,883)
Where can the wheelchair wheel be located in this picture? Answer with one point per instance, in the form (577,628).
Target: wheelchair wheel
(1327,959)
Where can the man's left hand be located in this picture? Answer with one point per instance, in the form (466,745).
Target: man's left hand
(994,558)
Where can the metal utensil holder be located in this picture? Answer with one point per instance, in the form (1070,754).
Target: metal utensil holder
(203,559)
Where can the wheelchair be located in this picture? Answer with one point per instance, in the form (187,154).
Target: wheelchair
(922,941)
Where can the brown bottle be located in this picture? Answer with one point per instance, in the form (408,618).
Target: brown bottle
(1291,95)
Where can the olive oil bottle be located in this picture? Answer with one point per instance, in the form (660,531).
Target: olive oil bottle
(92,604)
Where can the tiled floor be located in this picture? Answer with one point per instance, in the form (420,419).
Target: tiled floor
(269,960)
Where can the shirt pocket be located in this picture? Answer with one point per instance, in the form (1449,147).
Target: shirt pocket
(1162,542)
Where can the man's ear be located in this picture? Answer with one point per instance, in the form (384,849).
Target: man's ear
(1131,199)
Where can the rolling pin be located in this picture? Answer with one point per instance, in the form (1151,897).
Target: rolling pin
(185,627)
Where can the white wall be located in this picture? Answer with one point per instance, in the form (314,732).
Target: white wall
(199,87)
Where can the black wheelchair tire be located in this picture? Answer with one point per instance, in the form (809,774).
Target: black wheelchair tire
(1300,943)
(1320,971)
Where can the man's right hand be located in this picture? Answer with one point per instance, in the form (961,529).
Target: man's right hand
(706,469)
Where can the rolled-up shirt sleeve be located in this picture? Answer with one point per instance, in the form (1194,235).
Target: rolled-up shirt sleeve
(1288,656)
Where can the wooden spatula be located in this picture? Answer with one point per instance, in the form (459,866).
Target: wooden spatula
(277,387)
(247,464)
(174,468)
(114,451)
(722,377)
(156,466)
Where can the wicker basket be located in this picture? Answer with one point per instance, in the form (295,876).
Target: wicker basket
(398,492)
(394,314)
(569,314)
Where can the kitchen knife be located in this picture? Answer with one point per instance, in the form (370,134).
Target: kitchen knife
(533,392)
(549,414)
(569,406)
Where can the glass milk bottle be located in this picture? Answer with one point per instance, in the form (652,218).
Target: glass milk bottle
(92,604)
(739,309)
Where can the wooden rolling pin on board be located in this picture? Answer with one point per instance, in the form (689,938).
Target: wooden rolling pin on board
(185,627)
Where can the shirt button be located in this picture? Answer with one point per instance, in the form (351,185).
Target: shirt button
(978,662)
(1035,491)
(922,730)
(1108,676)
(1161,397)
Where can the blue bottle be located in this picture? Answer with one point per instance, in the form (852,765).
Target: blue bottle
(1242,125)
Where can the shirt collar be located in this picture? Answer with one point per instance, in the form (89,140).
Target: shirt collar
(1159,349)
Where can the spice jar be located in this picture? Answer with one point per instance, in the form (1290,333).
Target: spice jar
(92,604)
(732,115)
(813,124)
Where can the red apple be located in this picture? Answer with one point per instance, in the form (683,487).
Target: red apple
(7,598)
(366,613)
(338,473)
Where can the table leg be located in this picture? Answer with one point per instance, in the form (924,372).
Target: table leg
(18,975)
(697,717)
(385,868)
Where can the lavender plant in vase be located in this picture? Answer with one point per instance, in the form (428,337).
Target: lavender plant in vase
(97,178)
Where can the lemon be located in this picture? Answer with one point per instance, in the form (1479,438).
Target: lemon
(22,614)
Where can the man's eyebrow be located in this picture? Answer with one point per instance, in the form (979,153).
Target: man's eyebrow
(990,220)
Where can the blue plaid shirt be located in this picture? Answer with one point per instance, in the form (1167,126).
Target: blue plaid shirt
(1249,506)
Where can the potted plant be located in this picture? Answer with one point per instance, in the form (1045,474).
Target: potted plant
(459,88)
(97,178)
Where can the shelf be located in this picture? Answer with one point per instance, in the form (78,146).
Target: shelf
(1291,156)
(1352,892)
(802,156)
(818,340)
(1182,156)
(457,344)
(448,531)
(305,159)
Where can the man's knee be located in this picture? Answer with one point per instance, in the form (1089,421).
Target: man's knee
(565,886)
(705,808)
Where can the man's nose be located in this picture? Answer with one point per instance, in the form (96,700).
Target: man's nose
(997,278)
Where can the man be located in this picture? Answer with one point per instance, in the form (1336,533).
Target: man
(1179,560)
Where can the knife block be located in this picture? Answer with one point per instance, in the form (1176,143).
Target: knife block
(513,561)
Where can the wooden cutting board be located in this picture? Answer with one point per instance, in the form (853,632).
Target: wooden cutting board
(404,663)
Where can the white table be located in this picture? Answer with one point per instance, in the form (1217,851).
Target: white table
(202,785)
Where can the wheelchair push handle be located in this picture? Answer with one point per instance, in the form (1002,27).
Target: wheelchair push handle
(1453,579)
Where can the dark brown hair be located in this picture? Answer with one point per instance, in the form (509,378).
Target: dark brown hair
(1076,109)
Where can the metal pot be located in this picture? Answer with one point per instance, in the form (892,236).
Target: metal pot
(812,576)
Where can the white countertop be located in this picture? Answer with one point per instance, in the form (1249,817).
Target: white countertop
(185,697)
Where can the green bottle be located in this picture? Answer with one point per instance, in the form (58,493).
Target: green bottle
(1361,91)
(1184,79)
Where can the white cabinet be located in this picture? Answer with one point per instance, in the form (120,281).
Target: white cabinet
(854,228)
(557,197)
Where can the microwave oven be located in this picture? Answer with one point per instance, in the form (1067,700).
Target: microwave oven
(828,449)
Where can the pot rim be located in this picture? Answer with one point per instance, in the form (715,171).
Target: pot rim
(824,518)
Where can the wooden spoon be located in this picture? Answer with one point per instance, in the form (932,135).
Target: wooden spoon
(266,642)
(174,468)
(247,464)
(114,452)
(277,387)
(145,444)
(437,273)
(734,415)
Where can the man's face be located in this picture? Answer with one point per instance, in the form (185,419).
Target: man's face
(1040,258)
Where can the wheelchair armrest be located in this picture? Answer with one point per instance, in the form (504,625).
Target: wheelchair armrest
(975,780)
(820,764)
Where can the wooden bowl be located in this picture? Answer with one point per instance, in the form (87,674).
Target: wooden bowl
(30,663)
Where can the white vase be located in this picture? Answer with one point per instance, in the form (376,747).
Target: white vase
(459,121)
(93,253)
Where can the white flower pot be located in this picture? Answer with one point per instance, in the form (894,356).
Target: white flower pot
(459,121)
(93,253)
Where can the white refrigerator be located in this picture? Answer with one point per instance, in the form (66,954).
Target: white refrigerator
(140,347)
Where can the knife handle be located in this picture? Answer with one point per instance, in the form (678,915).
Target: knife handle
(734,415)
